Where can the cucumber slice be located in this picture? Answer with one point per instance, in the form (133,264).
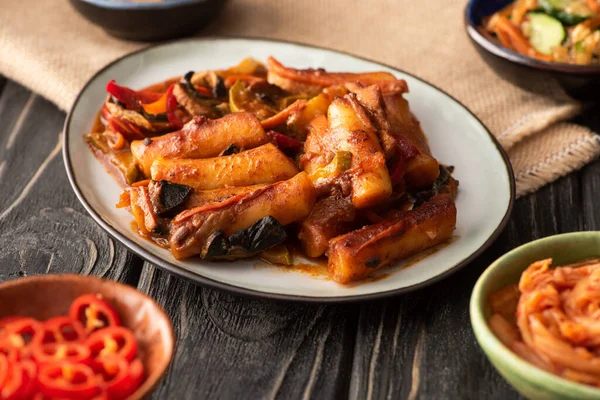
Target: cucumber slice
(556,4)
(580,47)
(569,12)
(545,32)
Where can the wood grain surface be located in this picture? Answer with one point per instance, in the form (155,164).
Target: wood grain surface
(415,346)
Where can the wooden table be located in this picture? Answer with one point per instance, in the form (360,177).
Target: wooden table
(415,346)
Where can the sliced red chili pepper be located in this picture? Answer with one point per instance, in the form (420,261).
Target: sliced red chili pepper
(114,340)
(132,99)
(93,312)
(9,320)
(284,142)
(15,383)
(59,352)
(63,329)
(9,351)
(137,374)
(175,114)
(22,334)
(31,370)
(102,396)
(4,366)
(120,378)
(68,380)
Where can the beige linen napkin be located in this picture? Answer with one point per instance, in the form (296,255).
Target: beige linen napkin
(46,46)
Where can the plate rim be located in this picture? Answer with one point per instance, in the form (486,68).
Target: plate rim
(253,293)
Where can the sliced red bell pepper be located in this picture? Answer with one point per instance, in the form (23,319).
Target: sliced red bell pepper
(93,313)
(120,378)
(63,329)
(405,147)
(15,384)
(48,353)
(204,91)
(175,114)
(405,150)
(284,142)
(68,380)
(132,99)
(129,130)
(114,340)
(397,171)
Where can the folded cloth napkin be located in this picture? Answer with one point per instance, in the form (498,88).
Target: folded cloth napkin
(46,46)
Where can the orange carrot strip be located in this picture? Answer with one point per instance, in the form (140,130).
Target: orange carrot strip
(231,79)
(282,116)
(518,12)
(145,182)
(115,140)
(504,39)
(518,40)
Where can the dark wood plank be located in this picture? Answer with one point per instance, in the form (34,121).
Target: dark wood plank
(43,228)
(415,346)
(590,183)
(421,345)
(234,347)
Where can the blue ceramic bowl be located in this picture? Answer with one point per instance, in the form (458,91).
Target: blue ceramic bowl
(580,81)
(149,21)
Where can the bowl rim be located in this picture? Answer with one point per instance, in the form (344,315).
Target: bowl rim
(130,5)
(518,58)
(147,386)
(488,341)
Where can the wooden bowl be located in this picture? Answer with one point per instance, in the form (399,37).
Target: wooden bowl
(45,296)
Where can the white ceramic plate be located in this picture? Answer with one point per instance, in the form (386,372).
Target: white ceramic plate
(456,137)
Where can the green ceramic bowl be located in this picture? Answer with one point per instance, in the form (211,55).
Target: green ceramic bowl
(530,381)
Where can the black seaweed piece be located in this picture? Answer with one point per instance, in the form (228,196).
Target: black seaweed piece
(215,246)
(154,117)
(188,77)
(263,96)
(114,100)
(171,198)
(159,230)
(441,181)
(231,149)
(187,85)
(219,90)
(264,233)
